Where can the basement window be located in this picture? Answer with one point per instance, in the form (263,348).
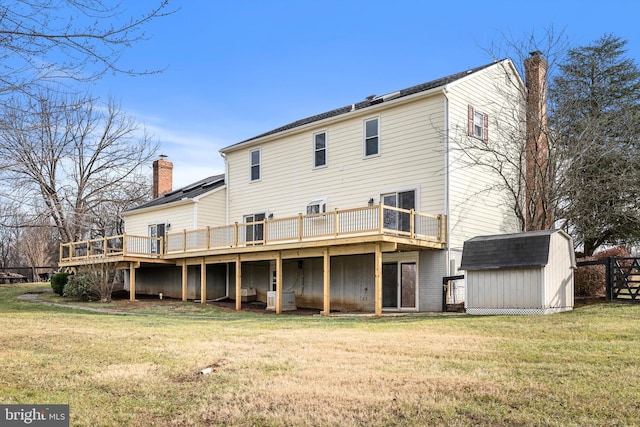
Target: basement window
(317,206)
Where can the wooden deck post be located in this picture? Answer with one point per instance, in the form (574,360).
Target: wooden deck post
(184,279)
(203,281)
(238,283)
(184,240)
(132,281)
(279,283)
(378,279)
(327,282)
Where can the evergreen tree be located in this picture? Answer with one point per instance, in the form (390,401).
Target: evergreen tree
(595,119)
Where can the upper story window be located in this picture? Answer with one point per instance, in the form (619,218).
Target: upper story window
(478,124)
(371,137)
(319,149)
(254,159)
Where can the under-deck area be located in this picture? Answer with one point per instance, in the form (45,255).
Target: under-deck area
(191,255)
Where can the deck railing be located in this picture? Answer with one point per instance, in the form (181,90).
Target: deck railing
(369,220)
(112,246)
(340,223)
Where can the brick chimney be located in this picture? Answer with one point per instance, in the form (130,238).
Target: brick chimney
(162,176)
(537,215)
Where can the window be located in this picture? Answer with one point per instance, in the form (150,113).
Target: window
(319,149)
(254,158)
(371,138)
(478,124)
(396,220)
(156,230)
(317,206)
(254,231)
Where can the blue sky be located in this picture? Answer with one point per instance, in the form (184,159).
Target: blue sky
(235,69)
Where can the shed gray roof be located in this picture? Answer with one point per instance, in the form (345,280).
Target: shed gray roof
(189,192)
(520,250)
(370,101)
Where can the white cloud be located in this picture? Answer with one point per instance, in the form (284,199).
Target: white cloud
(194,155)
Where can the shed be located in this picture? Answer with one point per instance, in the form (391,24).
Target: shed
(522,273)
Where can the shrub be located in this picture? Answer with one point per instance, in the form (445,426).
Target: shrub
(58,281)
(589,281)
(83,286)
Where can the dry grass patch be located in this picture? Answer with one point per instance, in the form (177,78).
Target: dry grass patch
(307,371)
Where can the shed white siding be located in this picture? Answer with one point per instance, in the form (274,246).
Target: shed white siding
(522,273)
(559,286)
(497,291)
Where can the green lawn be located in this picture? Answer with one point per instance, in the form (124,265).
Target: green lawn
(140,369)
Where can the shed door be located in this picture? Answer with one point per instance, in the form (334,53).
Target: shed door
(399,285)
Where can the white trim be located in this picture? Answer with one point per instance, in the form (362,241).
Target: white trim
(321,201)
(368,110)
(326,149)
(364,137)
(158,207)
(412,257)
(516,311)
(251,165)
(415,188)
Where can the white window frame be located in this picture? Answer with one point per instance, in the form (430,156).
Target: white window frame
(365,138)
(317,206)
(152,231)
(251,218)
(258,165)
(478,124)
(316,150)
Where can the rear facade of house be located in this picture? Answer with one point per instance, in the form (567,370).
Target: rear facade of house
(363,208)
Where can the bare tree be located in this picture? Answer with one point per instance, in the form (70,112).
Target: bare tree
(522,155)
(9,236)
(71,156)
(79,40)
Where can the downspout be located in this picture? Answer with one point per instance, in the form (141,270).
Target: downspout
(226,213)
(446,180)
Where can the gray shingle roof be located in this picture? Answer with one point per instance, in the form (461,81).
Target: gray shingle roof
(188,192)
(370,101)
(530,249)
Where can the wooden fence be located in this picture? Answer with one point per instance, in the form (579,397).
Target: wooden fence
(622,278)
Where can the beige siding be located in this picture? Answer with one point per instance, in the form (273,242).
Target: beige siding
(211,209)
(411,157)
(180,217)
(208,210)
(476,208)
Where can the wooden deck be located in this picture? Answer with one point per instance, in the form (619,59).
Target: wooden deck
(370,224)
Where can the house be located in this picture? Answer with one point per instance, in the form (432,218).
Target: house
(521,273)
(362,208)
